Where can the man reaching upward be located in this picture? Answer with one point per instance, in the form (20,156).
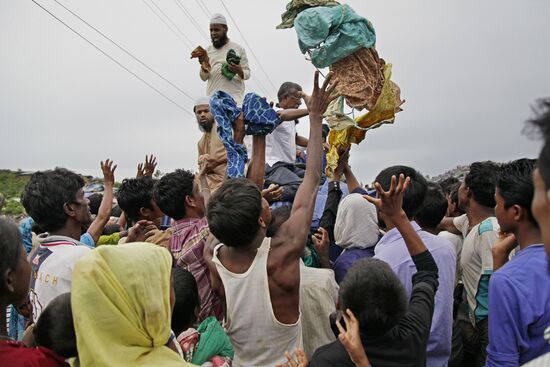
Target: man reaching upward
(257,277)
(216,57)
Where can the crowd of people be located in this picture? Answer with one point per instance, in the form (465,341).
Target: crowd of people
(279,265)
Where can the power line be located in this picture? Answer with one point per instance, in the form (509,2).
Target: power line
(187,42)
(204,9)
(173,23)
(114,60)
(248,45)
(126,51)
(193,21)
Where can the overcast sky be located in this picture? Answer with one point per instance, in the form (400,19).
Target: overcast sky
(469,71)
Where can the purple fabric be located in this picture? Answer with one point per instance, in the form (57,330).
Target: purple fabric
(519,304)
(392,249)
(346,260)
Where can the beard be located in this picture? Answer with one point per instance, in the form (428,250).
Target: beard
(220,42)
(206,127)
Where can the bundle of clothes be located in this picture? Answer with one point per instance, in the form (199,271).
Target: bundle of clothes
(334,36)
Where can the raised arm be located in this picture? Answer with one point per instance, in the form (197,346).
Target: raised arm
(104,212)
(295,230)
(292,114)
(256,167)
(390,203)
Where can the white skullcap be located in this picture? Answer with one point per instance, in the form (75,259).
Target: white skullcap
(218,19)
(202,100)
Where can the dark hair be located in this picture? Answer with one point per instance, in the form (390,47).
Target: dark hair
(10,247)
(95,202)
(515,184)
(171,190)
(286,89)
(187,299)
(433,208)
(481,180)
(116,211)
(414,196)
(447,184)
(55,328)
(376,296)
(233,212)
(45,195)
(541,122)
(134,194)
(325,131)
(278,216)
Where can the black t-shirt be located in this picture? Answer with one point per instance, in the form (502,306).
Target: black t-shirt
(404,344)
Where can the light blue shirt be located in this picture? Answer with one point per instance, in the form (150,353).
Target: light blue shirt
(392,249)
(87,240)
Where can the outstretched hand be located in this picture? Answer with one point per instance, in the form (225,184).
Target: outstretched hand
(319,100)
(140,171)
(298,360)
(108,172)
(150,165)
(390,202)
(351,339)
(140,231)
(321,242)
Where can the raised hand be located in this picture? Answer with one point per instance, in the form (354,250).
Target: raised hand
(351,339)
(108,172)
(391,202)
(150,165)
(321,97)
(273,193)
(139,232)
(140,171)
(298,360)
(321,241)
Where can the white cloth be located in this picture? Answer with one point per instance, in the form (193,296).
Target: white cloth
(52,269)
(318,298)
(356,223)
(258,338)
(280,145)
(215,79)
(201,101)
(218,19)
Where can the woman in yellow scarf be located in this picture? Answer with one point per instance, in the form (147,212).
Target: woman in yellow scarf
(121,302)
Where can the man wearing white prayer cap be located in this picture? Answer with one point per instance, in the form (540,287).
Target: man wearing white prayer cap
(211,70)
(212,153)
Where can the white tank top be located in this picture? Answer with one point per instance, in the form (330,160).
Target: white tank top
(258,338)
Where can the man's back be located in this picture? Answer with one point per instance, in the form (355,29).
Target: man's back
(260,338)
(52,266)
(392,250)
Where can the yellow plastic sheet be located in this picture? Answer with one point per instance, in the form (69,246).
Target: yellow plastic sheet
(384,110)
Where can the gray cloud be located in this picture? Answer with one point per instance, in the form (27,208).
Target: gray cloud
(469,71)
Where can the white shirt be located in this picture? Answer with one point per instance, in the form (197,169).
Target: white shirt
(52,269)
(217,81)
(280,145)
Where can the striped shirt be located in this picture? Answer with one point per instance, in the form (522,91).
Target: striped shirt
(187,246)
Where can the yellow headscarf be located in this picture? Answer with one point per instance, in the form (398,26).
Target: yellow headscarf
(120,300)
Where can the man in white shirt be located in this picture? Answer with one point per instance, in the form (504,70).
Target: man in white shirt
(280,145)
(211,65)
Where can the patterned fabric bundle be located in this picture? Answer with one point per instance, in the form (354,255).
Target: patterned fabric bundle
(259,118)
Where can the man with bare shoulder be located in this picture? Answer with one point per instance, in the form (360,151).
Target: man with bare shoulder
(257,277)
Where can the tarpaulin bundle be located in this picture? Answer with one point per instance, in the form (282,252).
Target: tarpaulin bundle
(345,131)
(259,119)
(231,58)
(294,7)
(329,34)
